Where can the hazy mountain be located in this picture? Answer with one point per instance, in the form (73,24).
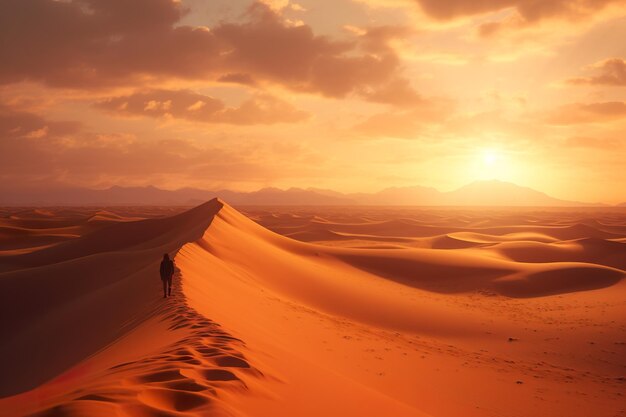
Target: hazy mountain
(499,193)
(401,196)
(111,196)
(480,193)
(155,196)
(292,196)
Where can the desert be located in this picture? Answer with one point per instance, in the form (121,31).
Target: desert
(313,311)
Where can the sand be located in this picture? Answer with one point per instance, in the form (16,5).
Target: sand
(313,311)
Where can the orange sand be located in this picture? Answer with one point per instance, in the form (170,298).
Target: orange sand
(342,312)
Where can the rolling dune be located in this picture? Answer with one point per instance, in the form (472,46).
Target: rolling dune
(365,313)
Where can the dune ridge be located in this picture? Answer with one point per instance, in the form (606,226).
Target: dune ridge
(98,281)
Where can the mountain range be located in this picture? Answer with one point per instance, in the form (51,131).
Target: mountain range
(479,193)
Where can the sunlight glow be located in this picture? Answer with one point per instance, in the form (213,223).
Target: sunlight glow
(490,163)
(490,157)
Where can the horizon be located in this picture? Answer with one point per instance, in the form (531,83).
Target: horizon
(359,199)
(372,191)
(353,96)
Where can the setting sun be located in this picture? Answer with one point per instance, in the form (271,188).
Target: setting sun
(490,157)
(488,164)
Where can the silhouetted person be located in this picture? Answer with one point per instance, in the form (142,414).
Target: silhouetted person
(167,270)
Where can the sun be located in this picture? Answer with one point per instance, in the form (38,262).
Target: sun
(490,157)
(489,164)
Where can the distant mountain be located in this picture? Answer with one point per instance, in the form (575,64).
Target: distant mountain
(155,196)
(290,197)
(111,196)
(500,193)
(480,193)
(401,196)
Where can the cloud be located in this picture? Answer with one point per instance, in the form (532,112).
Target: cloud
(95,35)
(397,92)
(276,5)
(23,137)
(94,159)
(283,5)
(528,10)
(237,78)
(261,109)
(68,154)
(18,124)
(110,43)
(521,12)
(402,125)
(406,123)
(301,61)
(611,72)
(189,105)
(565,20)
(582,113)
(593,143)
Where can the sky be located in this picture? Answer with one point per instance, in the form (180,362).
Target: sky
(348,95)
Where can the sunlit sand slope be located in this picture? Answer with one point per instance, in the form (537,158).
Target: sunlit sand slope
(442,332)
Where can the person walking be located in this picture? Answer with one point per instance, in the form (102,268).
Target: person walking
(167,271)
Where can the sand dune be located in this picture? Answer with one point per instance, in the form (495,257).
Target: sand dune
(19,238)
(591,250)
(79,295)
(365,313)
